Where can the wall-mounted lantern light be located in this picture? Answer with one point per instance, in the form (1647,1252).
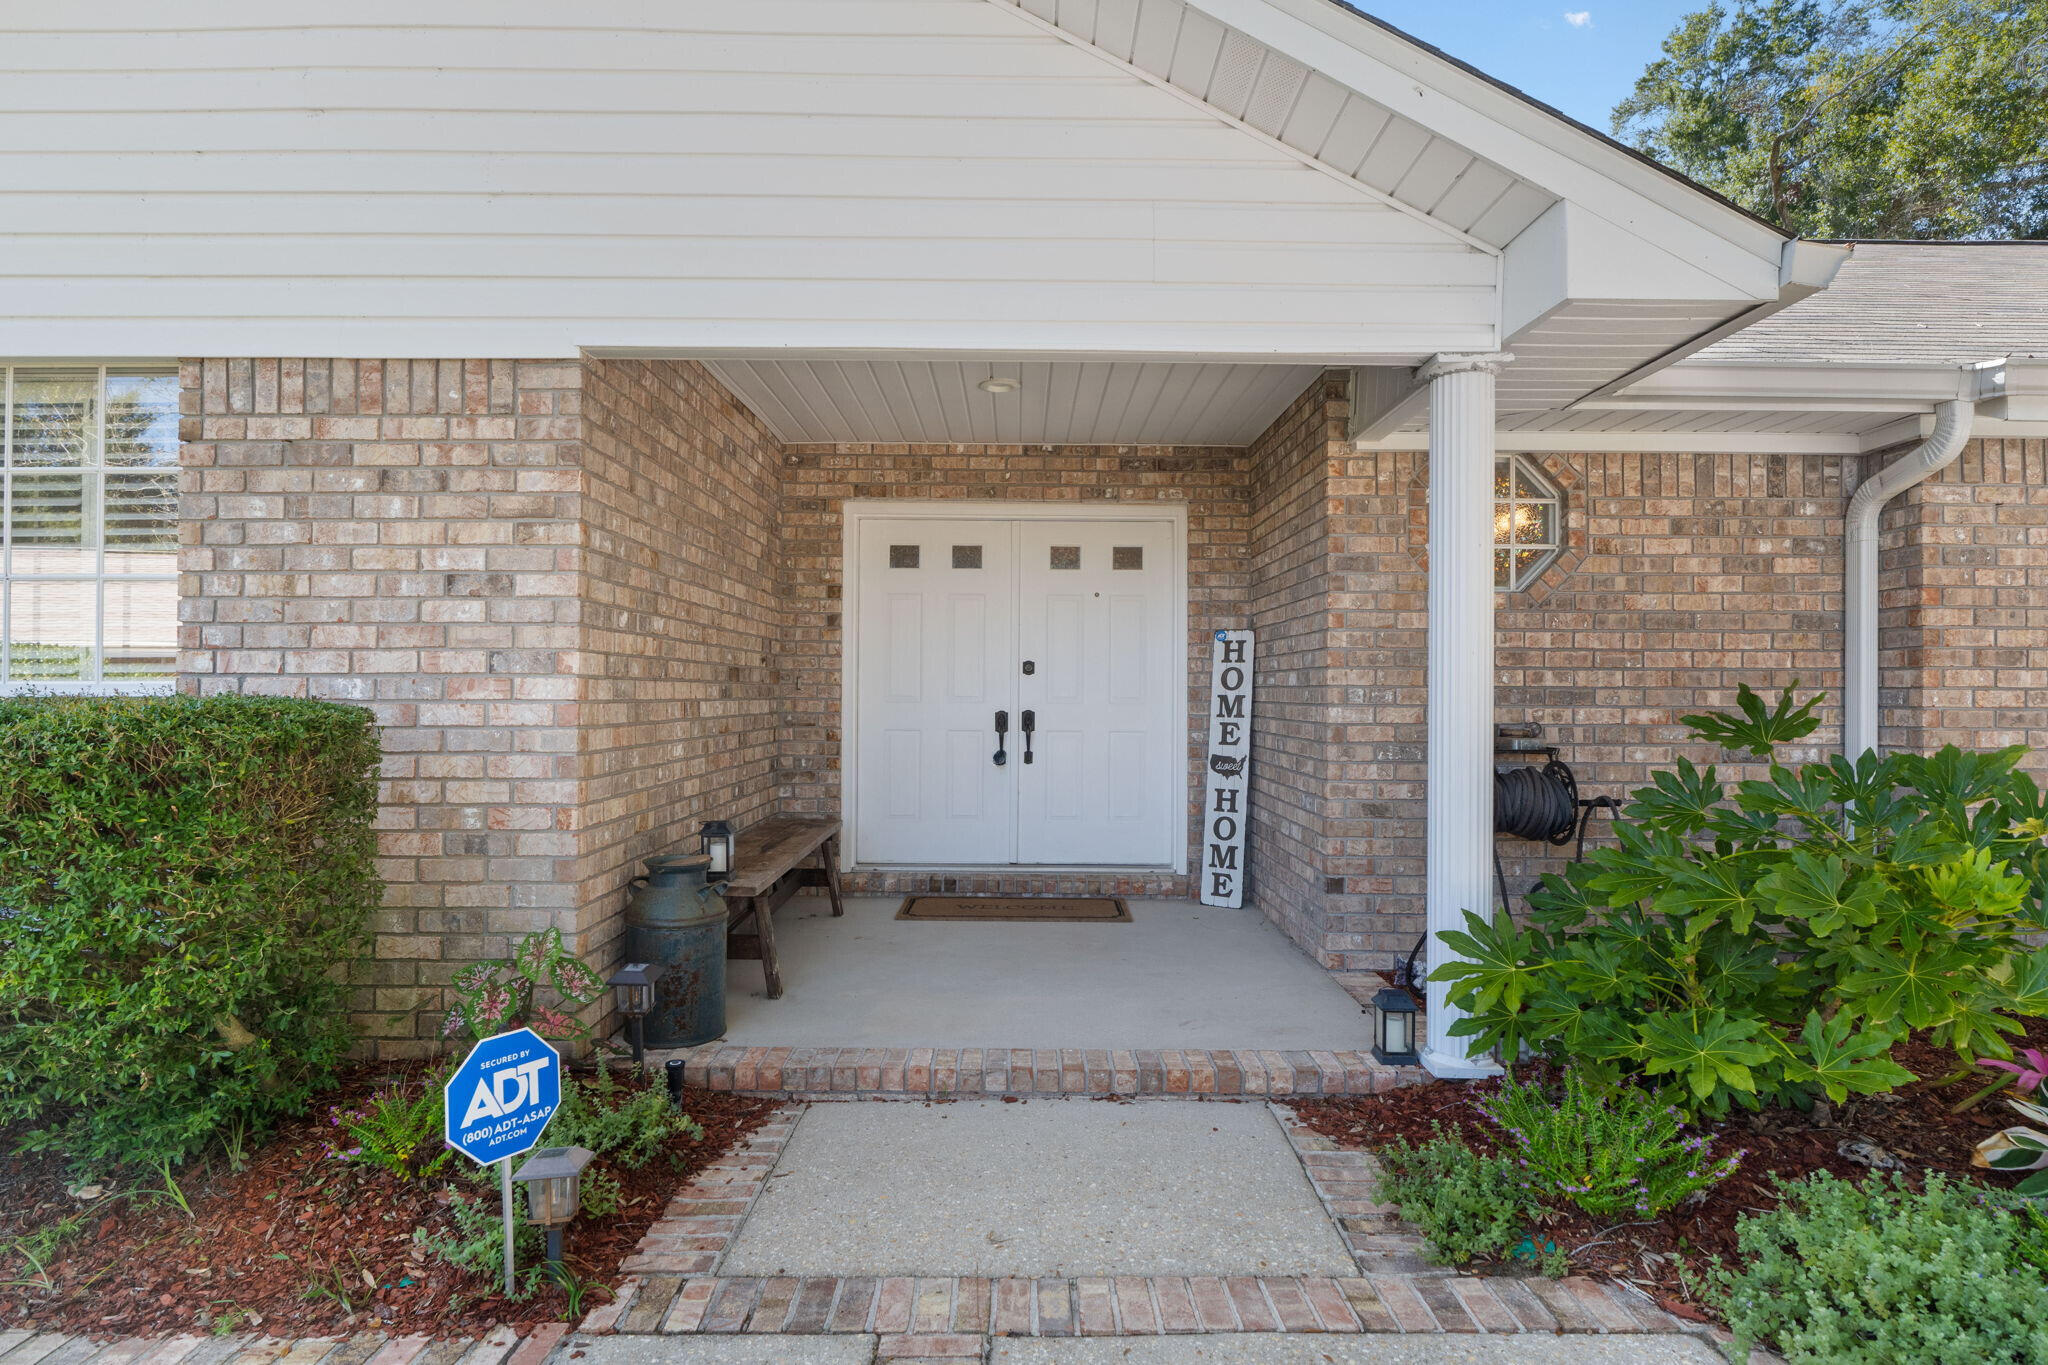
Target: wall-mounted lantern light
(718,847)
(553,1177)
(633,988)
(1394,1033)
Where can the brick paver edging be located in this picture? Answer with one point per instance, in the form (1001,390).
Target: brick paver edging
(932,1072)
(501,1346)
(968,1307)
(694,1231)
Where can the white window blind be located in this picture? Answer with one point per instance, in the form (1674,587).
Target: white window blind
(88,528)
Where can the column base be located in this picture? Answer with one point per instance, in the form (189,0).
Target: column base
(1450,1066)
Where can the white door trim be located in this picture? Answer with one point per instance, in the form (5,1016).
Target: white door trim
(858,510)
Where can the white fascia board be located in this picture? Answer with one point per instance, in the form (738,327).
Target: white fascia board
(1790,387)
(1644,443)
(1384,398)
(1489,122)
(1902,431)
(2014,390)
(1570,253)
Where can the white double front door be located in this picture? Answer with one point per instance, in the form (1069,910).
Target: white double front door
(1017,692)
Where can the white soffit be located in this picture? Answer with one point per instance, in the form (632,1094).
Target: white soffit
(1283,98)
(939,401)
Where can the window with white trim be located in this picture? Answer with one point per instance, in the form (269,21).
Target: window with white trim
(1528,522)
(88,528)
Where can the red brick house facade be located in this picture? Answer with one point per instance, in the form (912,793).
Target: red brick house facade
(1266,282)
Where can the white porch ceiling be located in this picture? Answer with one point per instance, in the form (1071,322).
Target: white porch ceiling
(938,401)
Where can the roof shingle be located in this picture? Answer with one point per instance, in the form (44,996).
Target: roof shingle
(1916,303)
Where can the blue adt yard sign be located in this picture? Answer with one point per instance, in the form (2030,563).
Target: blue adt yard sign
(502,1095)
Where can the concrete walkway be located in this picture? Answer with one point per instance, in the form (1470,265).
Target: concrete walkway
(1041,1189)
(1057,1230)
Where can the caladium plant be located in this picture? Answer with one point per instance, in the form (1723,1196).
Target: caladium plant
(1771,941)
(2019,1149)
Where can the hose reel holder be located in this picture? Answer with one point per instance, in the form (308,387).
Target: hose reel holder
(1540,803)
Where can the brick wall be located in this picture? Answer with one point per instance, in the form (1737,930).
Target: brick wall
(1290,578)
(817,481)
(592,604)
(403,535)
(1964,605)
(682,617)
(1689,575)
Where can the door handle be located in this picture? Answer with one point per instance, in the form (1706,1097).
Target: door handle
(1029,723)
(1002,729)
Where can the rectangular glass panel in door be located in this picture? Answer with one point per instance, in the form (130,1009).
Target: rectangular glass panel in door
(937,635)
(1107,780)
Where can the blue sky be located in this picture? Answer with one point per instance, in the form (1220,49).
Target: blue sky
(1581,57)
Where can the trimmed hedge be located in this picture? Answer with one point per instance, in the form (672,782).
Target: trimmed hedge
(182,883)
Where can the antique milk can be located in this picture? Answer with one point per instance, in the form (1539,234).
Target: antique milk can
(676,916)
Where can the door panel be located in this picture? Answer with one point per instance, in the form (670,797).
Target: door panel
(1096,620)
(931,678)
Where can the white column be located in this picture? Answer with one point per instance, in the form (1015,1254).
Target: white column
(1460,806)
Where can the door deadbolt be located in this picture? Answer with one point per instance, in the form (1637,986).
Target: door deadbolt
(1029,668)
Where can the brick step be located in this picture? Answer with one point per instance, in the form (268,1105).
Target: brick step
(928,1072)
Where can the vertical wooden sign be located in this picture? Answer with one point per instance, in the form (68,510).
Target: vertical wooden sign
(1226,795)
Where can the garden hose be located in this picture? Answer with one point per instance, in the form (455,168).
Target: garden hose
(1539,804)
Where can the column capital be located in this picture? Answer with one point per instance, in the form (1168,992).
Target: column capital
(1462,362)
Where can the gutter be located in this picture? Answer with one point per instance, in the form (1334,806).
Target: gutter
(1952,420)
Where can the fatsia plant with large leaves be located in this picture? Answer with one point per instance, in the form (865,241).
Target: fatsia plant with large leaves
(1774,941)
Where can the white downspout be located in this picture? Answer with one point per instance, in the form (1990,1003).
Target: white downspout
(1859,675)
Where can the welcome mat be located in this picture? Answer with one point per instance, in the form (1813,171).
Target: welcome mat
(1097,909)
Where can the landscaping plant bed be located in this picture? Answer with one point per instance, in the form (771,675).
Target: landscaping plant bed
(298,1242)
(1914,1125)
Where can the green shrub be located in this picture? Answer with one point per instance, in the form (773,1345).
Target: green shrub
(180,881)
(1875,1273)
(1469,1206)
(477,1245)
(1776,944)
(1608,1151)
(631,1128)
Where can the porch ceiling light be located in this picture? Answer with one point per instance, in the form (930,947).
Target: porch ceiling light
(1394,1028)
(997,383)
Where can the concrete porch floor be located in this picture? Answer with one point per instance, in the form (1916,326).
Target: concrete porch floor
(1180,975)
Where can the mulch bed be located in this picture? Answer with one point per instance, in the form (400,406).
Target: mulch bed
(261,1243)
(1913,1124)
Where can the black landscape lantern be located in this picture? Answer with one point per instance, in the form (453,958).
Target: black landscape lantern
(1394,1029)
(718,846)
(633,987)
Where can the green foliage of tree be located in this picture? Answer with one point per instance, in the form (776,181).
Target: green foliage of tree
(182,883)
(1859,118)
(1773,943)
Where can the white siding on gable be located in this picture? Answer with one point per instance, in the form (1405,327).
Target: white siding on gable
(426,177)
(1304,109)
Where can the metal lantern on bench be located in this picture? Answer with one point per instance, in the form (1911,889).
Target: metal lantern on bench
(718,843)
(675,925)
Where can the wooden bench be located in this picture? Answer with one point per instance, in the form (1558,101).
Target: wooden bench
(768,868)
